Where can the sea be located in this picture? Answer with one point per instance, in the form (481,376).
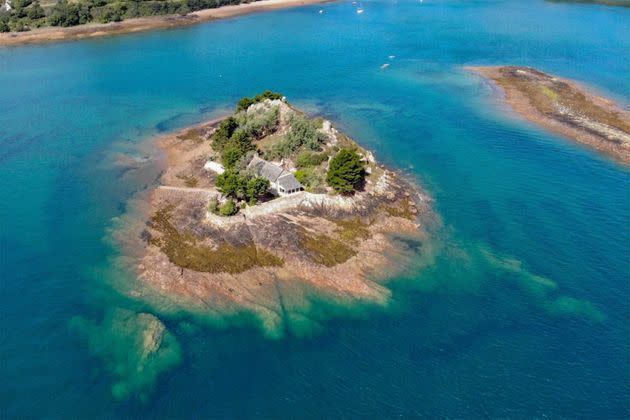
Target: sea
(521,308)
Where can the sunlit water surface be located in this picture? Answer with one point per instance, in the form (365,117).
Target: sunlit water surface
(465,337)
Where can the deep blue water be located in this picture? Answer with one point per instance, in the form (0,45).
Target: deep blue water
(464,338)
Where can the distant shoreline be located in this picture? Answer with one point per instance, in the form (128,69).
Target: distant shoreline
(564,107)
(614,3)
(98,30)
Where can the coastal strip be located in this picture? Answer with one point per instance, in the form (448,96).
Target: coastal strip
(564,107)
(97,30)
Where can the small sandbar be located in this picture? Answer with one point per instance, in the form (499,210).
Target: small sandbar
(564,107)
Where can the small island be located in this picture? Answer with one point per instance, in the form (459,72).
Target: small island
(564,107)
(260,210)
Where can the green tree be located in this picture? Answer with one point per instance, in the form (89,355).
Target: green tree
(232,184)
(36,11)
(4,24)
(346,172)
(230,156)
(224,132)
(242,140)
(256,187)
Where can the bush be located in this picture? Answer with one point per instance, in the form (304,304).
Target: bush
(311,179)
(261,124)
(36,11)
(213,205)
(346,172)
(229,208)
(307,159)
(246,102)
(303,132)
(303,176)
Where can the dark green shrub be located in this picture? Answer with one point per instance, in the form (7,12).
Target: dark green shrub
(223,133)
(256,188)
(346,172)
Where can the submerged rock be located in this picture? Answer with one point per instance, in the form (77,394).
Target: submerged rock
(136,348)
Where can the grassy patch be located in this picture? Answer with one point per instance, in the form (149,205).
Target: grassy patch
(184,250)
(189,180)
(550,93)
(404,210)
(194,134)
(353,229)
(324,249)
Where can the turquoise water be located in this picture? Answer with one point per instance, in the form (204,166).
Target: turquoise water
(465,337)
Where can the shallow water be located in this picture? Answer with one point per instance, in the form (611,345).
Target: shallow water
(466,337)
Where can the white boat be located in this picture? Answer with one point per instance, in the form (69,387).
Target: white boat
(359,11)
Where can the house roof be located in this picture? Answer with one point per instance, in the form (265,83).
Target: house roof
(265,169)
(274,173)
(288,182)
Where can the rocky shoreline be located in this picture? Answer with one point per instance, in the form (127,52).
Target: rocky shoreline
(565,108)
(269,258)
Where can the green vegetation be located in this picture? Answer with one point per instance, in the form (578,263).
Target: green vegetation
(235,135)
(325,250)
(307,159)
(186,250)
(213,205)
(246,102)
(346,172)
(222,136)
(28,14)
(303,133)
(242,186)
(352,229)
(228,208)
(260,124)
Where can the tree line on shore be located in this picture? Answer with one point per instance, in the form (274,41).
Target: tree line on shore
(28,14)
